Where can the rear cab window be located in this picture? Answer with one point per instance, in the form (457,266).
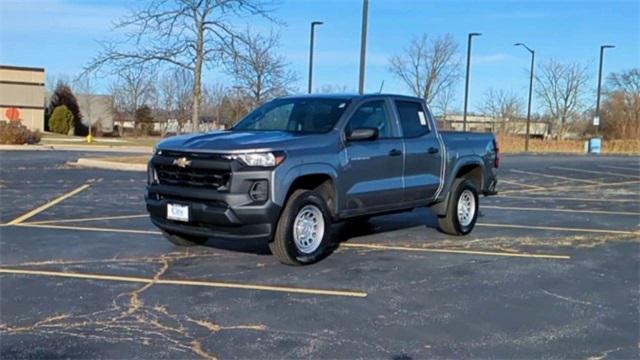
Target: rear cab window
(413,118)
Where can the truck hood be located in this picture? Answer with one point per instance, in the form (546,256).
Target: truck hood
(237,141)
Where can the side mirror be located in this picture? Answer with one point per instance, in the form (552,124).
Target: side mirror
(362,134)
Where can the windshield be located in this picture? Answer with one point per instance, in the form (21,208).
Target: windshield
(295,115)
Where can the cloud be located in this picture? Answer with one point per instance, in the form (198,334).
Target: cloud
(490,58)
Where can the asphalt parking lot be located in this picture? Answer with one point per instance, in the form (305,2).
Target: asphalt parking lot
(552,270)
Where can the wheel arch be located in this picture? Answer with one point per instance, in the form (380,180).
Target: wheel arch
(311,177)
(471,168)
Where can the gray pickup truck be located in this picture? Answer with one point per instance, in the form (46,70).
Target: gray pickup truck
(295,165)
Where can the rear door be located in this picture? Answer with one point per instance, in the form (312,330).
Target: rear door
(423,153)
(371,173)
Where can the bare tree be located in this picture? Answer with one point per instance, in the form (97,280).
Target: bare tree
(503,106)
(84,87)
(443,101)
(428,66)
(52,81)
(133,88)
(257,69)
(561,88)
(621,108)
(175,94)
(183,33)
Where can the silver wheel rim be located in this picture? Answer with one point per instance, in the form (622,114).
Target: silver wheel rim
(308,229)
(466,208)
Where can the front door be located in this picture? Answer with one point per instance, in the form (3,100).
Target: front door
(371,176)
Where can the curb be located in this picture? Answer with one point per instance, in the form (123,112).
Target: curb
(88,148)
(107,165)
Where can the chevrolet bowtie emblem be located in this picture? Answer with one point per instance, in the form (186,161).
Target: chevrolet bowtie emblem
(182,162)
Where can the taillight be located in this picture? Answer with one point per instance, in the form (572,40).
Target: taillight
(495,145)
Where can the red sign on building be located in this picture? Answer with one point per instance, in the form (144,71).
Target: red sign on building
(12,114)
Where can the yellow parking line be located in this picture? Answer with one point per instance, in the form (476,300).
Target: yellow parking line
(571,187)
(555,176)
(49,204)
(89,219)
(152,232)
(65,227)
(519,184)
(203,283)
(451,251)
(561,210)
(554,198)
(554,228)
(596,172)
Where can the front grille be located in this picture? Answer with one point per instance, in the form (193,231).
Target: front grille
(192,177)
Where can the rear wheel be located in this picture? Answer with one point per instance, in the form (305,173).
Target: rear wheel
(303,230)
(462,209)
(183,240)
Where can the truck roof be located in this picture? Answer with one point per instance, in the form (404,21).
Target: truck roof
(351,96)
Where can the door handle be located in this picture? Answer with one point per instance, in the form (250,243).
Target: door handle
(433,150)
(395,152)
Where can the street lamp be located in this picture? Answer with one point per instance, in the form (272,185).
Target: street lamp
(597,123)
(533,55)
(466,83)
(313,27)
(363,44)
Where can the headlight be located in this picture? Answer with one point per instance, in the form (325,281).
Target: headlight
(260,159)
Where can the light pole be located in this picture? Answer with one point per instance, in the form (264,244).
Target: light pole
(313,29)
(466,82)
(599,84)
(533,56)
(363,44)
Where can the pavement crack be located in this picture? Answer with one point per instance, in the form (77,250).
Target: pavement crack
(572,300)
(129,318)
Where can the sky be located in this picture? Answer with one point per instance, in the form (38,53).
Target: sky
(63,35)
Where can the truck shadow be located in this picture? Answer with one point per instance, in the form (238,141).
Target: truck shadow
(341,232)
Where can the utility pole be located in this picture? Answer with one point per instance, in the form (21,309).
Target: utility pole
(597,115)
(466,82)
(311,41)
(533,55)
(363,44)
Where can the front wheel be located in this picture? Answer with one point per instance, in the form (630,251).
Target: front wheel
(303,230)
(462,209)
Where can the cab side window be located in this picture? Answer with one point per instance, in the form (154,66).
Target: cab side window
(371,115)
(413,118)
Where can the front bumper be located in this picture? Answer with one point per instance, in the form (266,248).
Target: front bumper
(210,214)
(223,209)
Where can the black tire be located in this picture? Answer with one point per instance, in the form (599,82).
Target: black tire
(283,246)
(450,224)
(183,240)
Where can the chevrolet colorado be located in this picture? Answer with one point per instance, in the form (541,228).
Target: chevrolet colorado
(295,165)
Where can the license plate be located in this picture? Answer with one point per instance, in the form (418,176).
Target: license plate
(177,212)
